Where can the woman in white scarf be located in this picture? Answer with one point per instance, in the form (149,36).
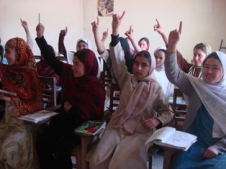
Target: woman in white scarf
(160,74)
(206,116)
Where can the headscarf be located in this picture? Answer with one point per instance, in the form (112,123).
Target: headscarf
(44,69)
(22,78)
(162,48)
(85,40)
(213,97)
(160,75)
(141,96)
(196,70)
(85,93)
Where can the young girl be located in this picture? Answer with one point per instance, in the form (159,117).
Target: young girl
(83,99)
(143,43)
(160,74)
(20,77)
(123,142)
(205,117)
(200,51)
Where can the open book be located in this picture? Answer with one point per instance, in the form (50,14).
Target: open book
(170,137)
(7,93)
(90,127)
(38,116)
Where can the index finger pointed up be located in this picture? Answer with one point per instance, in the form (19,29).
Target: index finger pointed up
(157,21)
(122,15)
(97,20)
(180,27)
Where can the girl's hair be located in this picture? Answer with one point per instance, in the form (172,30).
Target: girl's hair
(81,55)
(145,39)
(204,47)
(212,55)
(144,53)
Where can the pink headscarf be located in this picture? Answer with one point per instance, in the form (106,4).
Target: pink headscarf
(142,95)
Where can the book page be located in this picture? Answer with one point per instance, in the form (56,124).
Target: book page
(38,116)
(180,140)
(7,93)
(161,134)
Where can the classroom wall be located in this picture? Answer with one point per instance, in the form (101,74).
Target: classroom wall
(203,20)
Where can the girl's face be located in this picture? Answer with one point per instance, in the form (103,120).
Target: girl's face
(141,67)
(10,55)
(212,71)
(160,58)
(82,45)
(143,45)
(78,67)
(198,56)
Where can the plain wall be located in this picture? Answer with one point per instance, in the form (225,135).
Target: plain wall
(203,20)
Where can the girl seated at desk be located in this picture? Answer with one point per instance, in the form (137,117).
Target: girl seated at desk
(206,115)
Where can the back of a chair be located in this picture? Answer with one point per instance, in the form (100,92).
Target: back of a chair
(114,96)
(105,75)
(49,94)
(178,100)
(179,108)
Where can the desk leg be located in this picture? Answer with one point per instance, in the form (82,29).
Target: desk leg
(85,142)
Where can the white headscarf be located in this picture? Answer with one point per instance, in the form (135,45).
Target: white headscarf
(156,50)
(70,54)
(213,96)
(85,40)
(160,75)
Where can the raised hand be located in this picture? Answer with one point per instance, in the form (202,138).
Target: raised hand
(63,32)
(40,30)
(24,24)
(158,28)
(173,39)
(116,21)
(129,33)
(105,35)
(95,25)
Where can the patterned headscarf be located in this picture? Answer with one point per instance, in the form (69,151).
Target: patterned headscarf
(22,78)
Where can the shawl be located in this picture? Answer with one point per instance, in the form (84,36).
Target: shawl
(141,96)
(85,40)
(160,75)
(213,97)
(85,93)
(195,70)
(22,78)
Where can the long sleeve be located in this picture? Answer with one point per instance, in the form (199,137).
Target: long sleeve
(49,56)
(175,75)
(182,63)
(29,40)
(118,64)
(61,46)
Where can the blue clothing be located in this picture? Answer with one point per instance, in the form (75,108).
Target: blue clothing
(193,157)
